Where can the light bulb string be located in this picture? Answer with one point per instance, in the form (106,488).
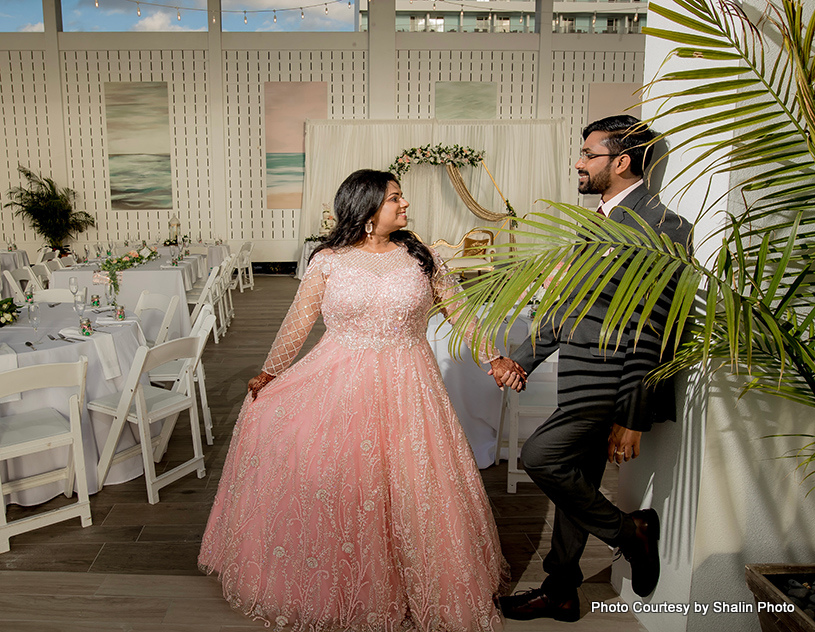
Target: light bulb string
(461,6)
(178,8)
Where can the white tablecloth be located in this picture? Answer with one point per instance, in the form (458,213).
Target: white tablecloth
(95,427)
(149,276)
(308,248)
(10,260)
(473,393)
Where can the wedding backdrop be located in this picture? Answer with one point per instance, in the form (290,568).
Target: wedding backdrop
(336,148)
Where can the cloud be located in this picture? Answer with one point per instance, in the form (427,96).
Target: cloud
(39,27)
(161,21)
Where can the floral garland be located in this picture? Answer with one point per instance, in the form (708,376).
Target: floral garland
(114,265)
(439,155)
(8,312)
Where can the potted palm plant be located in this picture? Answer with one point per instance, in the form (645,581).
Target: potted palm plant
(748,308)
(49,209)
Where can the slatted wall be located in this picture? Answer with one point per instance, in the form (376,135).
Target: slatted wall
(245,73)
(185,72)
(24,135)
(24,113)
(418,71)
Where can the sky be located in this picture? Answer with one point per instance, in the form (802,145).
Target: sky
(121,15)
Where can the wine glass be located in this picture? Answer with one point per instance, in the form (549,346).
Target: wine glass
(34,315)
(79,303)
(73,285)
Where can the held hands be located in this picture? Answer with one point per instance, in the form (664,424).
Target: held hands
(623,444)
(507,372)
(258,382)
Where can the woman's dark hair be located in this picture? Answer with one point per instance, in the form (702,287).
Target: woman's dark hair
(357,200)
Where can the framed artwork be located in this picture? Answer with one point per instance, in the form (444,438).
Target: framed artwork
(287,105)
(137,117)
(466,100)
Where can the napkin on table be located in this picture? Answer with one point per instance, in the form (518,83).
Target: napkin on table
(110,320)
(8,361)
(105,349)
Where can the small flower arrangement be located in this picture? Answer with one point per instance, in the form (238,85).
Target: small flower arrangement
(328,222)
(171,242)
(456,155)
(313,238)
(8,312)
(114,265)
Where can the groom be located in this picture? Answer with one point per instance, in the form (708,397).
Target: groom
(603,405)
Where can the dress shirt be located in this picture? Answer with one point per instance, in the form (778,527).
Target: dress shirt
(607,206)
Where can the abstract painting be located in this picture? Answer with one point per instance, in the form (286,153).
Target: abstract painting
(287,106)
(138,134)
(466,100)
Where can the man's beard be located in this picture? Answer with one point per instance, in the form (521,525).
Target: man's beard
(596,185)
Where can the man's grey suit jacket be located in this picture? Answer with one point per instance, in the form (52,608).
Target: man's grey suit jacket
(608,385)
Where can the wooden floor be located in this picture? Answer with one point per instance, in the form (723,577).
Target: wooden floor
(135,568)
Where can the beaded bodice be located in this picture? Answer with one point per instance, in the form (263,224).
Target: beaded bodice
(368,301)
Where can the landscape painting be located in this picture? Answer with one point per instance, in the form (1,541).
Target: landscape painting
(287,106)
(466,100)
(138,138)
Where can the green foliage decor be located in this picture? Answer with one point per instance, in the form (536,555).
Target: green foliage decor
(114,265)
(48,208)
(435,155)
(750,308)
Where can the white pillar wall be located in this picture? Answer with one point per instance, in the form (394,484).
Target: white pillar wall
(724,497)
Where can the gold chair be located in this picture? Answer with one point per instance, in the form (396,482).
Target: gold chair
(472,254)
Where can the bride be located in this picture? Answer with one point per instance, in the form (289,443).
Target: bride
(350,499)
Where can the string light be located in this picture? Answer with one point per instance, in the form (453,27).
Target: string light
(138,9)
(434,6)
(245,21)
(349,4)
(97,4)
(302,15)
(326,9)
(275,17)
(178,13)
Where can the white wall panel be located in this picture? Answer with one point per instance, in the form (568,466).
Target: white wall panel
(418,71)
(24,136)
(245,73)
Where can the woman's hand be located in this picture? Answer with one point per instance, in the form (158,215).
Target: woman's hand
(507,372)
(258,382)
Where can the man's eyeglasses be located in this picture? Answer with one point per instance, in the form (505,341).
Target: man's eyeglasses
(587,155)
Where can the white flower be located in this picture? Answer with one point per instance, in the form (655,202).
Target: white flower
(279,551)
(311,562)
(369,505)
(366,446)
(322,495)
(281,621)
(348,548)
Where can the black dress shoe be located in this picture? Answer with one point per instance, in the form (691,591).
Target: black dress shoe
(642,553)
(536,604)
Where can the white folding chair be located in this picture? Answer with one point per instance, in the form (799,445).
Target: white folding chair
(198,297)
(56,295)
(228,268)
(537,402)
(67,261)
(20,279)
(171,371)
(245,276)
(165,304)
(52,265)
(143,405)
(221,297)
(43,274)
(43,429)
(45,254)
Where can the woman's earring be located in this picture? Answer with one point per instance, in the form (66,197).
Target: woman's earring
(369,227)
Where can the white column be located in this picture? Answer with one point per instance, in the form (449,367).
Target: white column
(382,59)
(217,116)
(57,144)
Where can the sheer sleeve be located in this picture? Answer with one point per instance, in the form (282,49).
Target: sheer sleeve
(445,288)
(301,316)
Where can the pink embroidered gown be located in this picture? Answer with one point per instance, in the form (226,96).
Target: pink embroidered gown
(350,499)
